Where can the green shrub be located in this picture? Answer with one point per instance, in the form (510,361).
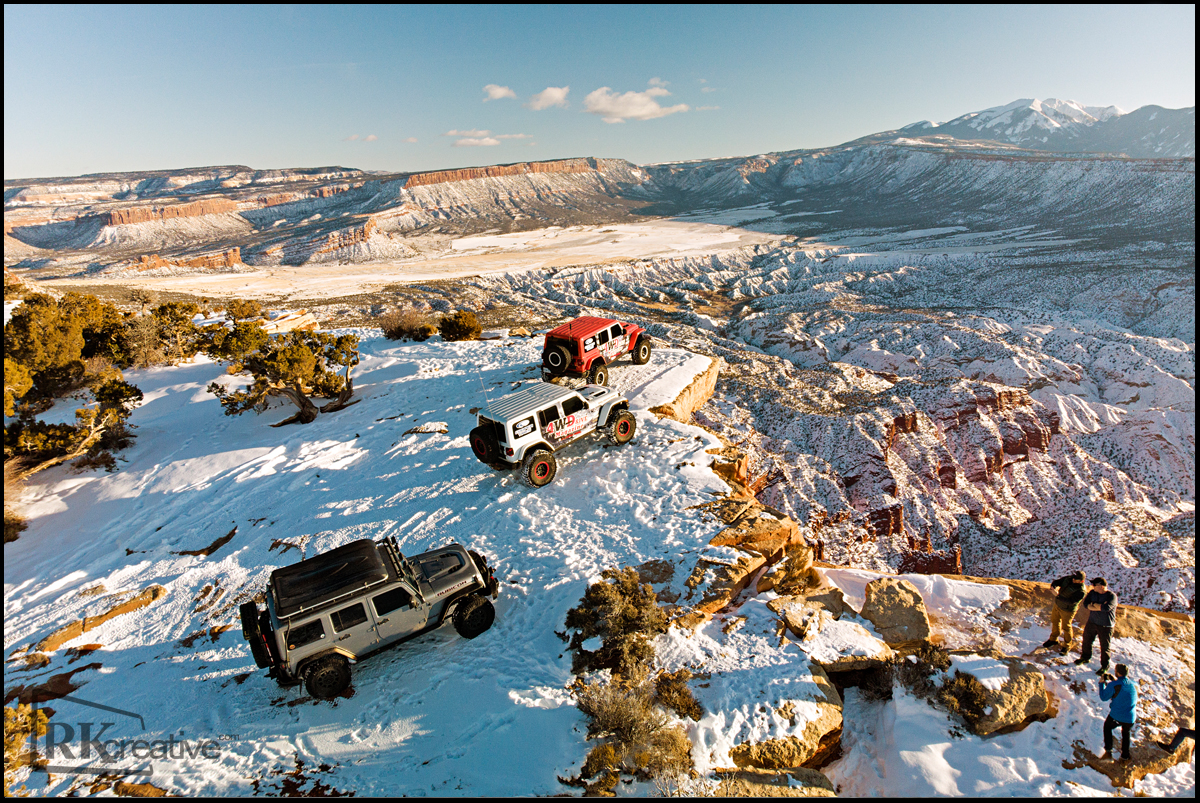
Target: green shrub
(917,675)
(462,325)
(965,696)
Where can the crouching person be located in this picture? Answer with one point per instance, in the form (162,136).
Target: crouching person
(1062,612)
(1122,710)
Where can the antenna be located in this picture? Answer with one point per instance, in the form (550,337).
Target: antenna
(482,385)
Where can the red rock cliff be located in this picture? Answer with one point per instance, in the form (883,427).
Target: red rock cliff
(144,214)
(496,171)
(225,259)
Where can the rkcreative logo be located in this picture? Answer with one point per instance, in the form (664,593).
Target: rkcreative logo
(81,741)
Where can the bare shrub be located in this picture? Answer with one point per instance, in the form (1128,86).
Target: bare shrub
(917,675)
(876,685)
(626,714)
(407,324)
(624,613)
(462,325)
(668,752)
(671,691)
(965,696)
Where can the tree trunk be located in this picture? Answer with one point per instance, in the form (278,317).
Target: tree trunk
(94,434)
(308,410)
(343,398)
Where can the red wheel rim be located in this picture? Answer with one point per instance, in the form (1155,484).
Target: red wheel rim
(541,470)
(623,428)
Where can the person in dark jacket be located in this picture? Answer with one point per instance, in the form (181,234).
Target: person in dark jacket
(1062,612)
(1122,710)
(1101,605)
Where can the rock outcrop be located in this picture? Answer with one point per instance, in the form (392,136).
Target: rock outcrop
(497,171)
(77,628)
(895,608)
(794,782)
(820,739)
(1012,703)
(224,259)
(144,214)
(692,397)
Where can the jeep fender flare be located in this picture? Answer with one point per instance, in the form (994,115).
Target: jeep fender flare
(456,598)
(311,659)
(529,448)
(607,411)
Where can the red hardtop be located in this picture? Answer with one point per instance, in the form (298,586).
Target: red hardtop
(580,327)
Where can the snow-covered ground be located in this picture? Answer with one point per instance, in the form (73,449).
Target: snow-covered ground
(440,715)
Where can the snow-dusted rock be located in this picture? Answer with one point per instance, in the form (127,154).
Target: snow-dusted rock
(896,609)
(1014,691)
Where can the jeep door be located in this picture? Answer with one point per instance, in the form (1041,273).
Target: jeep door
(565,424)
(613,342)
(353,628)
(398,613)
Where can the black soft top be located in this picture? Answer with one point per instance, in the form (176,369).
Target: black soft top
(313,582)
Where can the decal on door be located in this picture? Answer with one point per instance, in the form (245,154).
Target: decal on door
(567,428)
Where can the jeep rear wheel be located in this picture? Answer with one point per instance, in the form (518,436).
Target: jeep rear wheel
(599,375)
(641,352)
(485,445)
(327,677)
(538,468)
(556,358)
(474,616)
(624,425)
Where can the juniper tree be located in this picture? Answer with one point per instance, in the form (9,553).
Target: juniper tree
(178,334)
(295,365)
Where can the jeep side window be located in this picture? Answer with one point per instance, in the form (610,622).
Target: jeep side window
(522,428)
(305,634)
(549,415)
(347,618)
(389,601)
(589,343)
(615,330)
(603,336)
(572,405)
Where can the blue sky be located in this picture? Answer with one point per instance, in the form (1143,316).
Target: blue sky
(113,88)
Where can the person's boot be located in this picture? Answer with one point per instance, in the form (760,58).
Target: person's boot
(1081,661)
(1103,668)
(1050,643)
(1106,755)
(1066,650)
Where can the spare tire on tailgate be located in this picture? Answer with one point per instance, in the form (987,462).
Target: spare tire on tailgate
(484,443)
(556,358)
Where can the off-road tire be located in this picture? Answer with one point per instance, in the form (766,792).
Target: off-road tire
(556,358)
(474,616)
(641,351)
(622,428)
(327,677)
(484,445)
(598,375)
(253,634)
(538,468)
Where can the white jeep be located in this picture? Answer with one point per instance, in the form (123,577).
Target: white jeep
(524,429)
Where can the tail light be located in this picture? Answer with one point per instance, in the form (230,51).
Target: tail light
(509,451)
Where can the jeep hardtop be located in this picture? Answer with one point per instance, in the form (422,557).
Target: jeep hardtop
(585,346)
(339,607)
(524,429)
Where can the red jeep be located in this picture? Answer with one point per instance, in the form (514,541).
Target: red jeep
(585,346)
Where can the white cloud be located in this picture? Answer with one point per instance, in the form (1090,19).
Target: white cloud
(550,96)
(476,142)
(617,108)
(708,89)
(350,138)
(473,132)
(410,139)
(496,92)
(370,138)
(513,136)
(658,82)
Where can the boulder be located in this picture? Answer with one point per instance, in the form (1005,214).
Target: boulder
(819,740)
(834,645)
(762,530)
(1011,700)
(1145,759)
(896,609)
(794,782)
(794,574)
(713,585)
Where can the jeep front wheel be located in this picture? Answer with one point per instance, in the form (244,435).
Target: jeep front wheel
(599,375)
(641,352)
(328,677)
(538,468)
(474,616)
(622,428)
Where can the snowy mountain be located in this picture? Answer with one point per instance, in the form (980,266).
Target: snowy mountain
(1065,126)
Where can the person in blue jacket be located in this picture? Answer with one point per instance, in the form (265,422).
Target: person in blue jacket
(1122,710)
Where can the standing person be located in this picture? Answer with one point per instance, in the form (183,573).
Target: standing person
(1062,612)
(1102,616)
(1122,710)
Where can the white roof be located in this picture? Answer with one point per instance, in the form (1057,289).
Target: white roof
(526,400)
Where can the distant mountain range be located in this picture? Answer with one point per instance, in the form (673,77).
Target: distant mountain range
(1064,126)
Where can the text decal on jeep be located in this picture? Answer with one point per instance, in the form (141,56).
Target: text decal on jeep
(570,426)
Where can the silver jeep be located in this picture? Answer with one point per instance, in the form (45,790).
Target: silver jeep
(524,429)
(339,607)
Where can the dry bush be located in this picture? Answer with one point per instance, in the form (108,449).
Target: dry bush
(624,613)
(917,676)
(671,691)
(627,714)
(965,696)
(22,725)
(669,752)
(407,324)
(462,325)
(14,523)
(877,685)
